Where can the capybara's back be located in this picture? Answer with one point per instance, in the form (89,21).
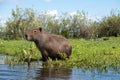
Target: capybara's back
(50,45)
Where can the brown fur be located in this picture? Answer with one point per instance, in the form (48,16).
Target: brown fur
(50,45)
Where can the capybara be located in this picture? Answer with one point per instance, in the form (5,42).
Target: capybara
(50,45)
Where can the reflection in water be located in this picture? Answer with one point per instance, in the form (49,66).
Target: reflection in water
(21,72)
(75,74)
(36,72)
(17,72)
(53,74)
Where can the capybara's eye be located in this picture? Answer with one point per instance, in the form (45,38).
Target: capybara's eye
(35,31)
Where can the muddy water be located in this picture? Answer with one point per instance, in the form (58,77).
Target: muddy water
(36,72)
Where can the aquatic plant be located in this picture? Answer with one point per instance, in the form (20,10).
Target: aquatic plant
(85,53)
(24,53)
(89,54)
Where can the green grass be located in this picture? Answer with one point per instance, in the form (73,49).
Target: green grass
(11,47)
(85,53)
(19,50)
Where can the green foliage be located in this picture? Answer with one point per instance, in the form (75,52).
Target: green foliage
(19,51)
(109,26)
(22,20)
(70,26)
(86,54)
(2,33)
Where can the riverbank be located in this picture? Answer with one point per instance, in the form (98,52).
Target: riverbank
(86,53)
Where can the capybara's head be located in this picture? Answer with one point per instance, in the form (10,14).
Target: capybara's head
(33,34)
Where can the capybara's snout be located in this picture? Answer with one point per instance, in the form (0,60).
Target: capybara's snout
(28,37)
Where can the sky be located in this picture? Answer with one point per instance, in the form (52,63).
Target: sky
(94,8)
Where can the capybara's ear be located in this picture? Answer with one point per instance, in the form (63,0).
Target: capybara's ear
(40,29)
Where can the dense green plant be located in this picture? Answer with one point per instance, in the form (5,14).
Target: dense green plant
(20,51)
(2,32)
(109,26)
(23,19)
(85,53)
(20,21)
(70,26)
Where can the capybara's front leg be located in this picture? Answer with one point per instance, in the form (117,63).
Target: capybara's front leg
(44,56)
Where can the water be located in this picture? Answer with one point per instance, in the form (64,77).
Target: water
(2,58)
(36,72)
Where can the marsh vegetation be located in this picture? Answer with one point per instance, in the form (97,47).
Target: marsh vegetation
(86,54)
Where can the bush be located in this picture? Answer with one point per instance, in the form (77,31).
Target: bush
(70,26)
(109,26)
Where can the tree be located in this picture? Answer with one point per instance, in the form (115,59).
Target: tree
(110,26)
(20,21)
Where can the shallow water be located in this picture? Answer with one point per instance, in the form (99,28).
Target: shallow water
(36,72)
